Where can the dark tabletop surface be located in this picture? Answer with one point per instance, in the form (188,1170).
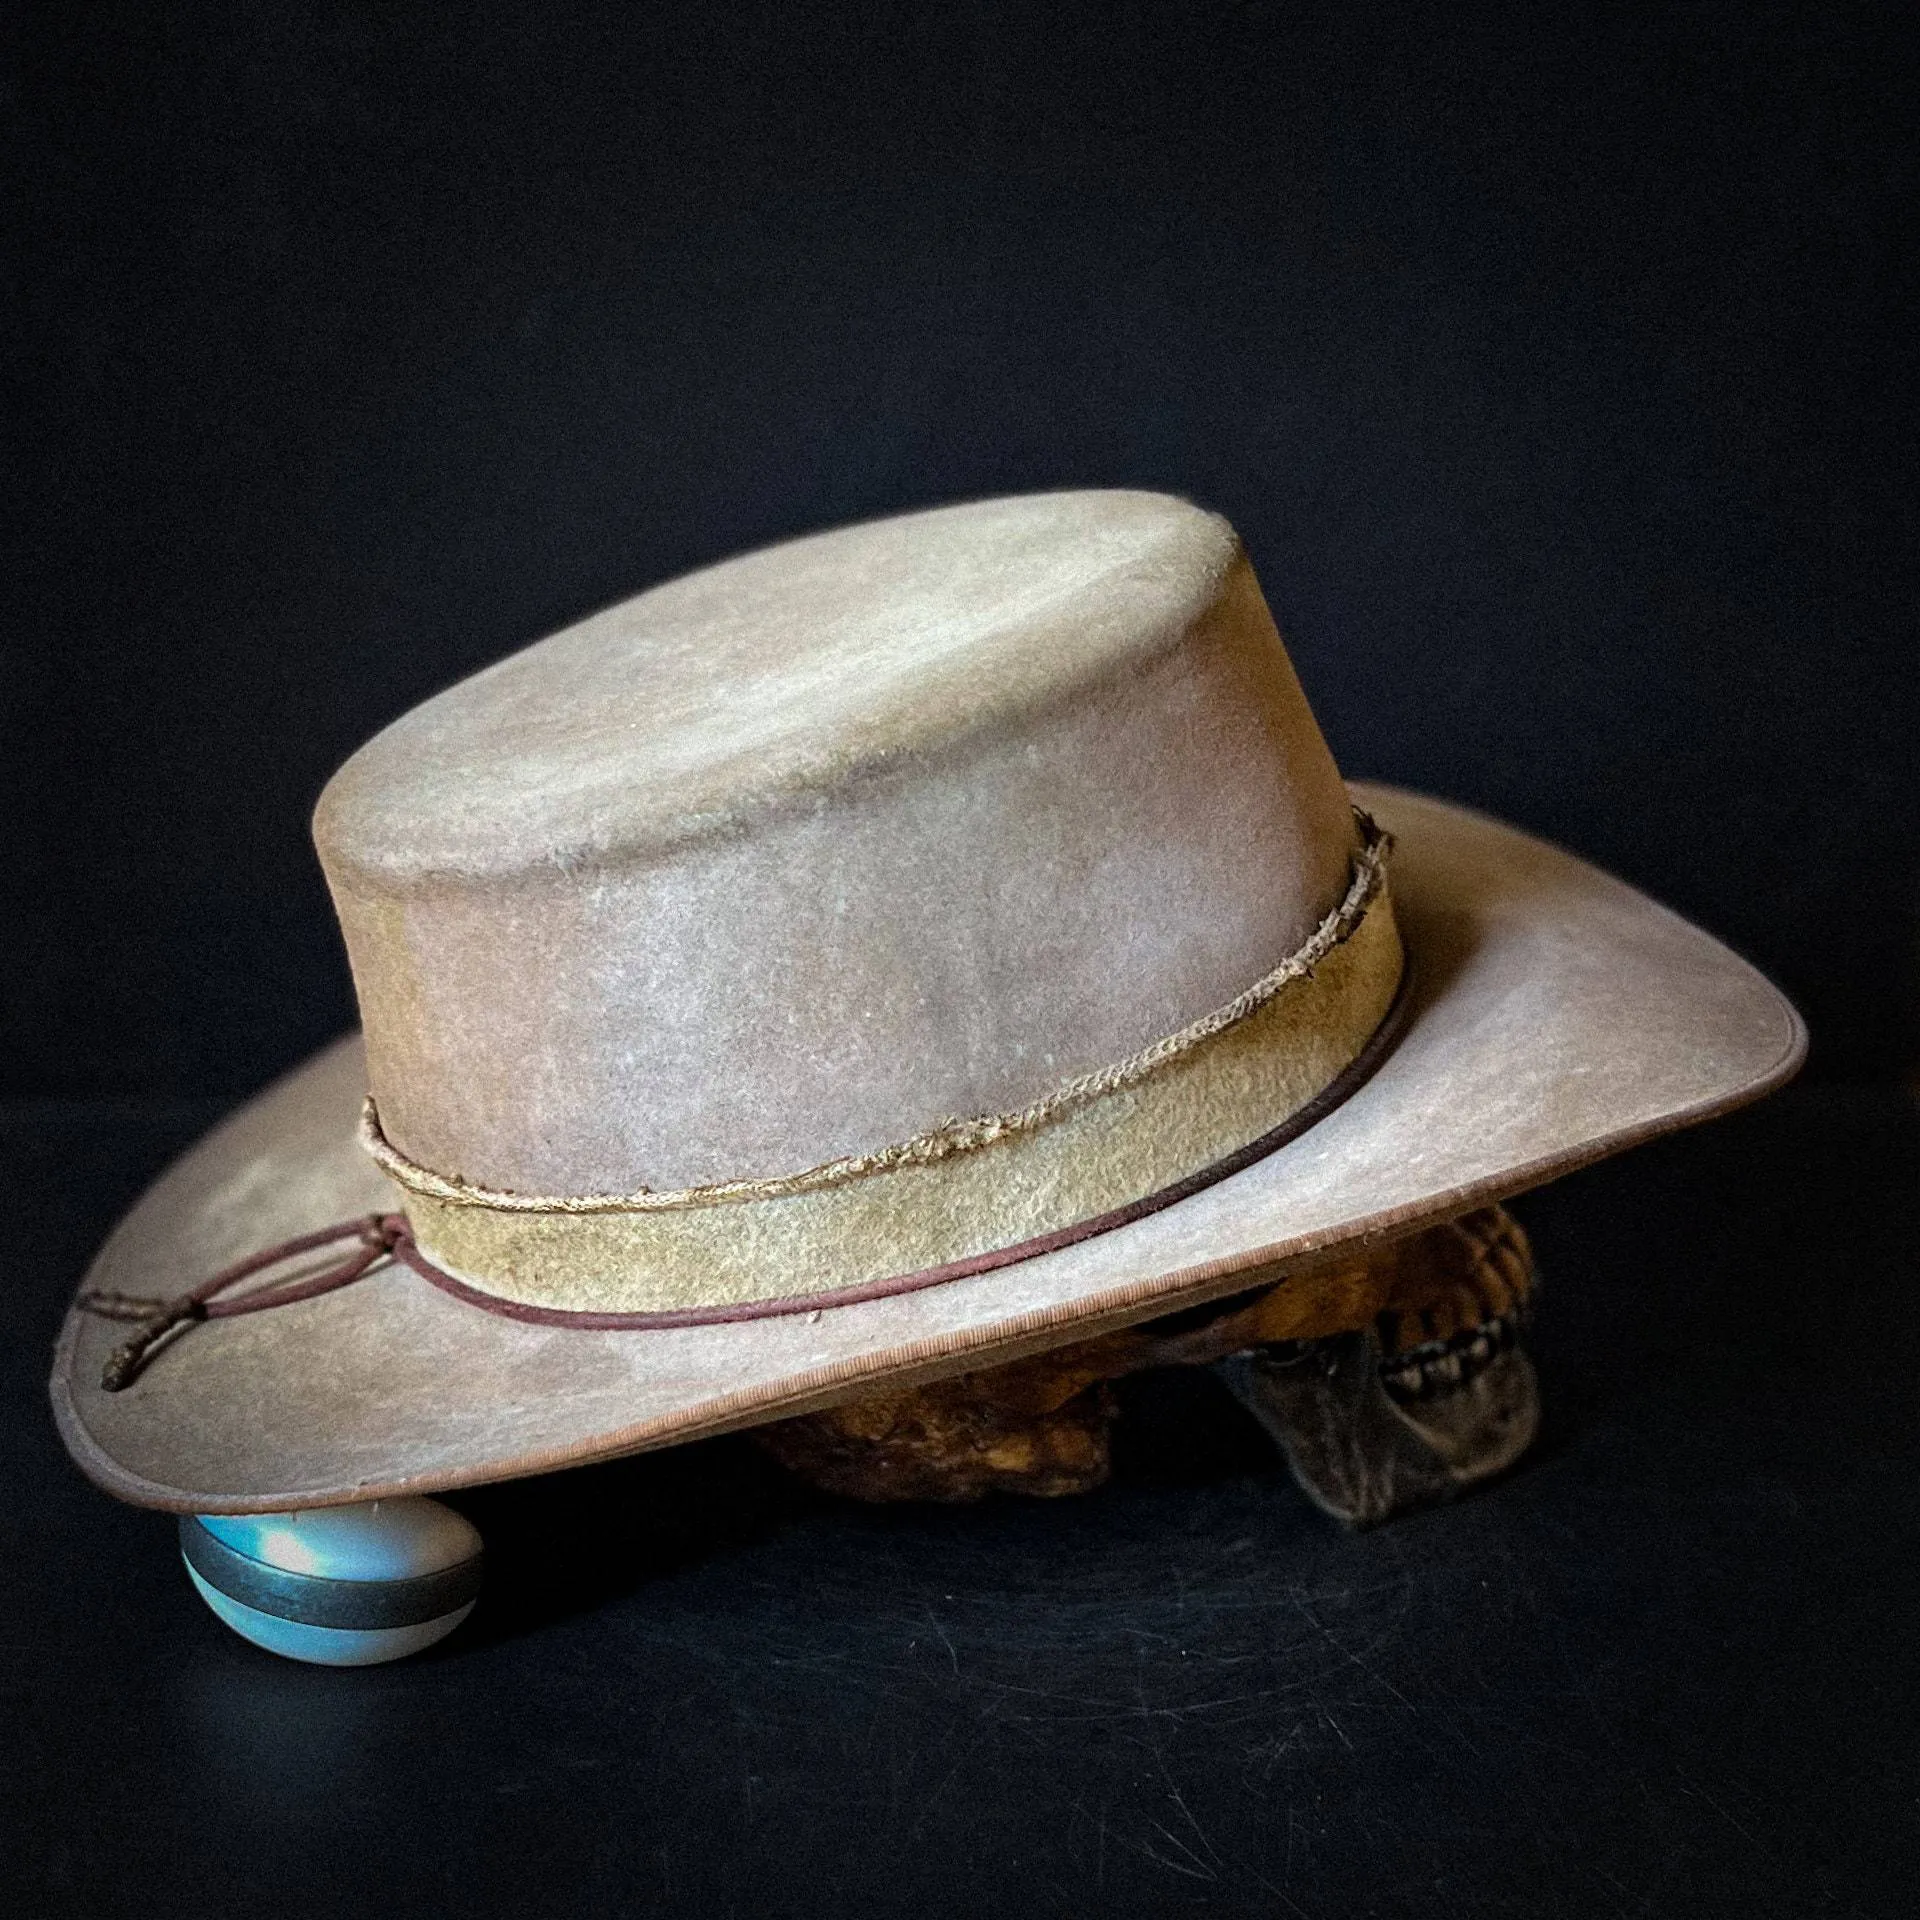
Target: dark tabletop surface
(1668,1667)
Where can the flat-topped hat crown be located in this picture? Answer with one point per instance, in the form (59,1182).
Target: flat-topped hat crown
(863,910)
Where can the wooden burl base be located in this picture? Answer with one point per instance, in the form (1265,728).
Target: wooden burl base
(1389,1383)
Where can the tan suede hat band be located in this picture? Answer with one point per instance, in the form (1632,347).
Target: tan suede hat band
(1093,1147)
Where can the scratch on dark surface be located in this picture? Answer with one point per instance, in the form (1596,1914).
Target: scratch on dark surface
(1179,1800)
(982,1731)
(1098,1822)
(1193,1866)
(933,1620)
(1362,1659)
(1688,1785)
(1275,1749)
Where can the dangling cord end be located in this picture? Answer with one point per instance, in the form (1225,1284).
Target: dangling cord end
(125,1361)
(378,1234)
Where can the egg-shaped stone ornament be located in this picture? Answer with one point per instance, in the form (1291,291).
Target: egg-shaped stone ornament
(339,1586)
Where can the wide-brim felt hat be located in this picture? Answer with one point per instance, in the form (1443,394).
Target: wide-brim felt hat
(870,959)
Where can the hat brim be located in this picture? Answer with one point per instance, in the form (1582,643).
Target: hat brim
(1558,1016)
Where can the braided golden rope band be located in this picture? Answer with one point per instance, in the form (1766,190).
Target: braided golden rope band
(950,1136)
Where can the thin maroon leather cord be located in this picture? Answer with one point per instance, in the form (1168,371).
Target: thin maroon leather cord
(377,1233)
(385,1236)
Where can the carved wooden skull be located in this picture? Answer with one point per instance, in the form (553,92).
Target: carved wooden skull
(1389,1382)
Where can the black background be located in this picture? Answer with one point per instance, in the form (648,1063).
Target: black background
(1556,371)
(1555,364)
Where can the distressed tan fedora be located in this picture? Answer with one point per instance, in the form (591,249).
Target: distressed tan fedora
(889,953)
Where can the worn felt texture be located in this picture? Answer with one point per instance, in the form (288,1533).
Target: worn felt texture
(808,852)
(1558,1015)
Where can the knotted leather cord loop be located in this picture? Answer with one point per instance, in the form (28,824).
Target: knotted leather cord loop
(379,1235)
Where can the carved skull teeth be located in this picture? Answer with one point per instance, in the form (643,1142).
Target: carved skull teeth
(1442,1366)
